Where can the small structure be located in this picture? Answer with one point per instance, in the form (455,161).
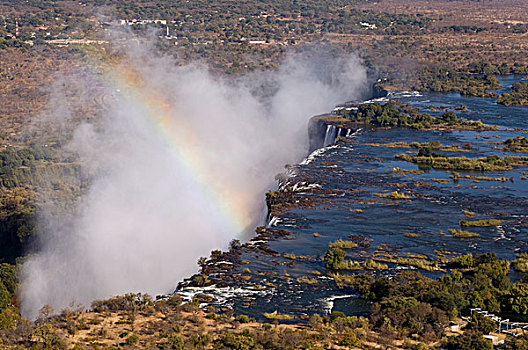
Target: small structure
(256,41)
(136,21)
(495,338)
(368,25)
(456,326)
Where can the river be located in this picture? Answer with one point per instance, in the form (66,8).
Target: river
(348,176)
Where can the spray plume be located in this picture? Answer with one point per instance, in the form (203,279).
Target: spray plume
(178,165)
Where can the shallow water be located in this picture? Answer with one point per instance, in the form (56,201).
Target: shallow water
(485,109)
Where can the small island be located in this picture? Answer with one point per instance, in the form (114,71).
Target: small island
(518,97)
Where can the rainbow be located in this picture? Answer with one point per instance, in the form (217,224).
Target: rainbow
(231,205)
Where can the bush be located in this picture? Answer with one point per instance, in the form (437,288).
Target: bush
(243,319)
(482,324)
(464,261)
(468,341)
(266,326)
(8,318)
(237,341)
(174,342)
(350,339)
(334,257)
(132,340)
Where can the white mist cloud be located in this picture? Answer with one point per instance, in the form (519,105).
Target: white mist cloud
(179,165)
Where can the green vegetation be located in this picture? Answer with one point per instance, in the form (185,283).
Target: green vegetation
(468,214)
(439,161)
(458,233)
(243,319)
(335,261)
(9,313)
(17,222)
(353,265)
(518,144)
(432,145)
(138,322)
(276,316)
(468,340)
(463,261)
(419,263)
(475,80)
(480,223)
(393,195)
(220,34)
(487,178)
(519,96)
(23,170)
(306,280)
(334,257)
(341,244)
(411,235)
(521,263)
(411,303)
(397,114)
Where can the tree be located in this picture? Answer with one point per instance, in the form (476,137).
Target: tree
(334,257)
(468,341)
(517,299)
(482,324)
(449,117)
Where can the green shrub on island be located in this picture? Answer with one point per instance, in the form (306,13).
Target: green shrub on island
(475,80)
(488,178)
(518,97)
(411,235)
(518,144)
(468,214)
(343,244)
(458,233)
(398,114)
(352,265)
(521,263)
(334,257)
(276,316)
(417,145)
(480,223)
(439,161)
(464,261)
(393,195)
(516,343)
(419,263)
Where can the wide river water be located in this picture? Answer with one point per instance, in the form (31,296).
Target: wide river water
(350,174)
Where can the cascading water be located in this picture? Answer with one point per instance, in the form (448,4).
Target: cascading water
(327,135)
(330,135)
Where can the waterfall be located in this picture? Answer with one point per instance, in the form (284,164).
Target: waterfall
(349,131)
(330,135)
(327,135)
(334,134)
